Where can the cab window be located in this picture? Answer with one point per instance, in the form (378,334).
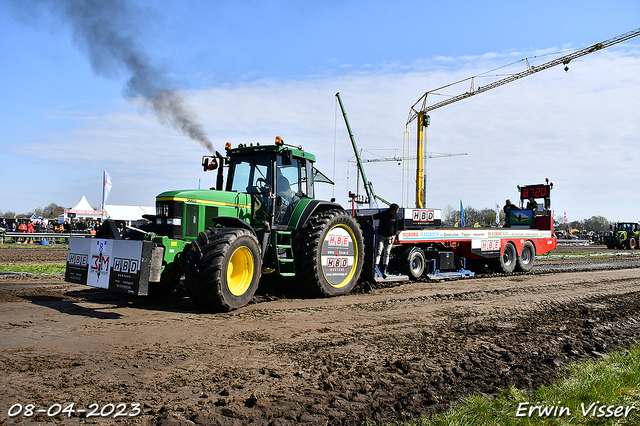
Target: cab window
(251,175)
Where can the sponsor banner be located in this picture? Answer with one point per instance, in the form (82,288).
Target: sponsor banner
(486,245)
(422,217)
(338,255)
(428,235)
(77,260)
(104,263)
(100,262)
(124,275)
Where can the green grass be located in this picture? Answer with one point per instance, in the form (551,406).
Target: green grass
(606,382)
(43,268)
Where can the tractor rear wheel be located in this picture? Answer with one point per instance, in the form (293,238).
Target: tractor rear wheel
(329,253)
(223,269)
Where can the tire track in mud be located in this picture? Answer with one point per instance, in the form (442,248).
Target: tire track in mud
(421,370)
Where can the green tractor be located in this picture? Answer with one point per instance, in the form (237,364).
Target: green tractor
(624,235)
(261,217)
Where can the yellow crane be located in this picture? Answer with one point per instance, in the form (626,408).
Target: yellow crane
(420,109)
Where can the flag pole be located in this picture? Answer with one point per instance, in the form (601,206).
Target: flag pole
(104,181)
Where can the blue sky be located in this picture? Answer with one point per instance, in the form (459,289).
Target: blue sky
(251,70)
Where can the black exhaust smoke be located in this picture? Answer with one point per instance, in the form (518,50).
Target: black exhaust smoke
(107,31)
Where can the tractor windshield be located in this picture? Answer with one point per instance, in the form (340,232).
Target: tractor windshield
(625,227)
(250,174)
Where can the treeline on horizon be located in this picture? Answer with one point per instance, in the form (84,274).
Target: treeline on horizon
(52,211)
(483,217)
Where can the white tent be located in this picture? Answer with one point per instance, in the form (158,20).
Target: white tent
(82,210)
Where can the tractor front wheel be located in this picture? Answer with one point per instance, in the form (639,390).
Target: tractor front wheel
(223,269)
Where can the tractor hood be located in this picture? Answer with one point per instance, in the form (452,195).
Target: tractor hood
(208,197)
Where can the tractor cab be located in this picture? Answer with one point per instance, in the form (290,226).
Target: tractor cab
(276,177)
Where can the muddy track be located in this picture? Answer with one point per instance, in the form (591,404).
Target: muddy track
(386,352)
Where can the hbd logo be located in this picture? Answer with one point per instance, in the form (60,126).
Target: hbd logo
(423,216)
(129,266)
(337,262)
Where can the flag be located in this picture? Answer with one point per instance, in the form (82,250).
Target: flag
(462,213)
(497,214)
(106,187)
(565,217)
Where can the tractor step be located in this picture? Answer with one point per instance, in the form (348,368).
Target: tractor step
(283,253)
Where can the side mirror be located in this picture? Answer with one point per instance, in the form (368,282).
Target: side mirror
(287,157)
(209,163)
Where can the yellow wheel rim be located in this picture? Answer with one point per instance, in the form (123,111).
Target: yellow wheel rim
(240,271)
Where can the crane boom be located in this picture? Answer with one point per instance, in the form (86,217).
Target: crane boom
(396,158)
(423,119)
(564,60)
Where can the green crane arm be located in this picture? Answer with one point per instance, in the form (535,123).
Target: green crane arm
(368,186)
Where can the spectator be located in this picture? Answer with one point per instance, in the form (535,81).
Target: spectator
(22,228)
(385,235)
(30,230)
(507,210)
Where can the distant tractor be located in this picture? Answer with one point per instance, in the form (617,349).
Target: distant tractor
(623,235)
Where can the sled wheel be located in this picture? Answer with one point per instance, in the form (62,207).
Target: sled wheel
(509,258)
(223,269)
(329,253)
(413,262)
(527,257)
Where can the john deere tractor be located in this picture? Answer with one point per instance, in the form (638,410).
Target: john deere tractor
(624,235)
(261,217)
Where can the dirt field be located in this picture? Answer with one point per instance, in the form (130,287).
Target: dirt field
(386,352)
